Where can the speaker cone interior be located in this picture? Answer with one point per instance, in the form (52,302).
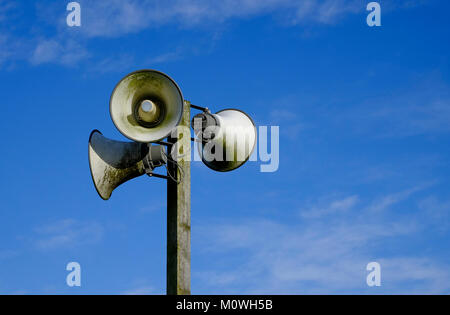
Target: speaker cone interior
(146,105)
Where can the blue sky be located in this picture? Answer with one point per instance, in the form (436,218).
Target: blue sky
(364,116)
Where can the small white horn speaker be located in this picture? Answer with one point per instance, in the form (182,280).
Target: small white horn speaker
(146,106)
(228,138)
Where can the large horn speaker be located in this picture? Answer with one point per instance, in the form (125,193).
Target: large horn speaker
(227,138)
(112,163)
(146,105)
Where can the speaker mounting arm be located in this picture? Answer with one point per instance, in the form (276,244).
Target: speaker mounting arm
(150,174)
(203,109)
(167,144)
(155,158)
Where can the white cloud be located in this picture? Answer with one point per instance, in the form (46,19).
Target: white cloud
(118,17)
(419,275)
(67,233)
(5,9)
(280,115)
(4,51)
(437,212)
(422,108)
(166,57)
(66,53)
(115,18)
(391,199)
(11,47)
(293,259)
(119,63)
(324,255)
(289,121)
(7,254)
(335,206)
(409,118)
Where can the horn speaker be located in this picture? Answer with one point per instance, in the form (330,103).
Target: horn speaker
(146,106)
(112,163)
(228,138)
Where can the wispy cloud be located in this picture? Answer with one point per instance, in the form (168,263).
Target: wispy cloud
(319,254)
(289,120)
(119,63)
(437,211)
(166,57)
(389,200)
(5,9)
(279,115)
(116,18)
(134,16)
(140,286)
(4,51)
(67,233)
(8,253)
(423,108)
(293,259)
(410,118)
(333,207)
(67,53)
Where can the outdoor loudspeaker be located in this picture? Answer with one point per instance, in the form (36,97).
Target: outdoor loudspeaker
(146,105)
(227,138)
(112,163)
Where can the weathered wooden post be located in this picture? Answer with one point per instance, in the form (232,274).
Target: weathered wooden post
(179,213)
